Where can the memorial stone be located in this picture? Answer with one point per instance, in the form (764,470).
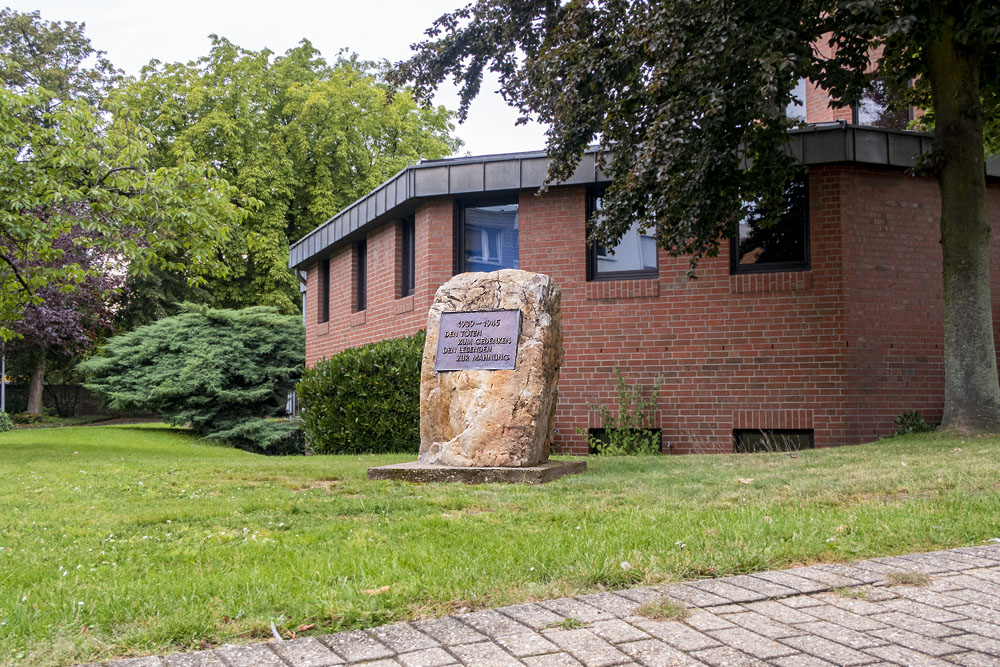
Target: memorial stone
(488,383)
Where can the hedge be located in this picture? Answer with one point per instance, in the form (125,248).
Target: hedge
(365,399)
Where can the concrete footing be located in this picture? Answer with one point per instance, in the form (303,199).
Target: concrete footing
(426,472)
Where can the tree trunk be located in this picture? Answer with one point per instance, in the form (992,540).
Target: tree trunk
(36,386)
(972,391)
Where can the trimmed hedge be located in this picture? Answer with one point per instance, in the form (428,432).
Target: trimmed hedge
(365,399)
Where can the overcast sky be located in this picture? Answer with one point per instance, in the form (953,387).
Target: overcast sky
(133,32)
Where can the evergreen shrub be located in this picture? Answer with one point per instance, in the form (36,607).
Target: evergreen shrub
(226,373)
(365,399)
(6,423)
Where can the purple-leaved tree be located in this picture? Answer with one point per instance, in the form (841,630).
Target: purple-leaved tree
(66,317)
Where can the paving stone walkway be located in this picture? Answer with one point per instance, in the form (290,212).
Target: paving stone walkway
(857,614)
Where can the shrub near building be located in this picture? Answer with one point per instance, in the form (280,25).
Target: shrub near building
(365,399)
(223,372)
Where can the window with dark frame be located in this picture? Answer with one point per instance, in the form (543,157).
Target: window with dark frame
(771,241)
(884,104)
(324,291)
(486,234)
(753,441)
(635,256)
(407,268)
(361,280)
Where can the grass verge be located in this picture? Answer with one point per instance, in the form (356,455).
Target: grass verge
(127,540)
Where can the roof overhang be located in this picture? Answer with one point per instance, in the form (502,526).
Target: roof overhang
(820,143)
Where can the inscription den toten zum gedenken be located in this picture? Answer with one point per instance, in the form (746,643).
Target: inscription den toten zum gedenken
(481,340)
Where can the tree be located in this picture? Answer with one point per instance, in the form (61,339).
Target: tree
(687,100)
(51,55)
(223,372)
(67,318)
(68,165)
(298,137)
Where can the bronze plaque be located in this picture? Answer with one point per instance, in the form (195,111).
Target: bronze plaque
(479,340)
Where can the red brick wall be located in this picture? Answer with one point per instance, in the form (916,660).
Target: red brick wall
(745,351)
(841,349)
(894,299)
(387,315)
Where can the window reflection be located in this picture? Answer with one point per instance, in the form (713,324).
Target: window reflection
(634,255)
(781,246)
(491,237)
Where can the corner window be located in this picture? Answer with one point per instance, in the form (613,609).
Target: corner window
(407,260)
(361,278)
(487,237)
(634,256)
(781,246)
(752,441)
(324,291)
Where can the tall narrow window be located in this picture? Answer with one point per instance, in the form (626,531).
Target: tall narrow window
(361,280)
(487,236)
(634,256)
(775,240)
(324,290)
(407,264)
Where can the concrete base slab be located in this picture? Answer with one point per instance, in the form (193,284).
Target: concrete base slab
(426,472)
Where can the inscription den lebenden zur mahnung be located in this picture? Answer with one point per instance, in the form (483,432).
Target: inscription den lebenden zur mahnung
(480,340)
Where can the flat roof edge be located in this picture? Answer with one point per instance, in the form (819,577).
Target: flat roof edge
(816,144)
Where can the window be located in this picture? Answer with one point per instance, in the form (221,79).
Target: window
(407,264)
(361,279)
(747,441)
(633,257)
(487,237)
(324,291)
(883,105)
(797,111)
(782,245)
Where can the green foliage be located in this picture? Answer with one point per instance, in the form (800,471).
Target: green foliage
(223,372)
(625,431)
(365,399)
(6,423)
(67,166)
(912,422)
(71,166)
(26,418)
(51,55)
(298,137)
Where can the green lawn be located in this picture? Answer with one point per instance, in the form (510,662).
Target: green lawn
(127,540)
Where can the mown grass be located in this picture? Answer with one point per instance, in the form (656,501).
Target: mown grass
(130,540)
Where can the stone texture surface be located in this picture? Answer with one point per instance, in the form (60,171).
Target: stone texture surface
(953,620)
(494,417)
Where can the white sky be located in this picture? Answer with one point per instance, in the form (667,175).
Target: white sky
(133,32)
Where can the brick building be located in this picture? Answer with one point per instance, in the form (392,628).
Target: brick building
(823,336)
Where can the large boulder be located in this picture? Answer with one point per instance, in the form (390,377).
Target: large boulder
(494,417)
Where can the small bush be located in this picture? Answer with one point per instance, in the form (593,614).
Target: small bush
(6,423)
(912,422)
(626,432)
(365,399)
(26,418)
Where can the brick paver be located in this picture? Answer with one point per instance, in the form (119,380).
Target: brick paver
(832,614)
